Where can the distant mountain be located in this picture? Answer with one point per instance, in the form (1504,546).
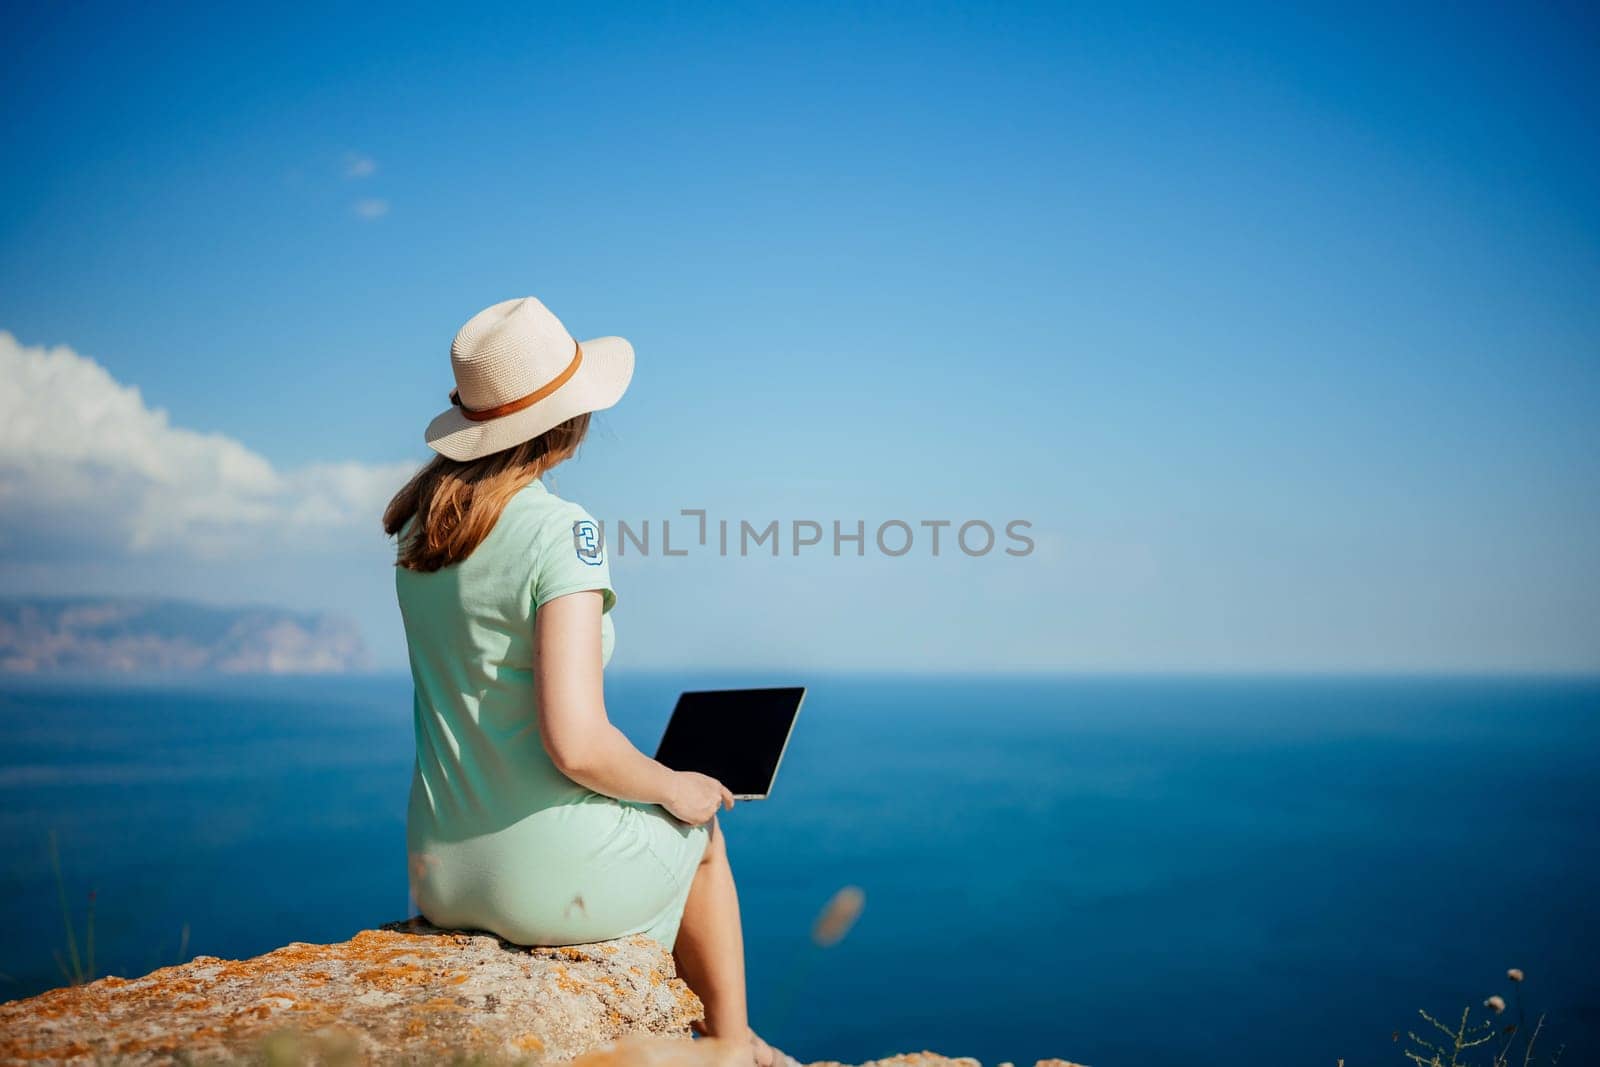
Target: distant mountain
(128,635)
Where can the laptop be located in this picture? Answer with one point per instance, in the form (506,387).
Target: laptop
(737,736)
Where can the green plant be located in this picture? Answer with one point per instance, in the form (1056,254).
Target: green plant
(81,971)
(1511,1046)
(159,957)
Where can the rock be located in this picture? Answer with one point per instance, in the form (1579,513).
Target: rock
(933,1059)
(665,1052)
(403,993)
(646,1051)
(913,1059)
(668,1052)
(135,635)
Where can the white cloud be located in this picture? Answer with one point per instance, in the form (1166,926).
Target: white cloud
(357,165)
(82,454)
(372,208)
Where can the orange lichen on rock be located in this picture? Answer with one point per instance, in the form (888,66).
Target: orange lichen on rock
(564,981)
(393,974)
(402,993)
(444,1004)
(406,991)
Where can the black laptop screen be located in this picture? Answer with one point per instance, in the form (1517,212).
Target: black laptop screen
(737,736)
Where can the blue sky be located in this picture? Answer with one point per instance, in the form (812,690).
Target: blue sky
(1279,326)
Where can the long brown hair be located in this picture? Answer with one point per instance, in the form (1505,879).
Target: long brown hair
(457,502)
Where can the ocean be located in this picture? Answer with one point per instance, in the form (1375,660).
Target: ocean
(1120,871)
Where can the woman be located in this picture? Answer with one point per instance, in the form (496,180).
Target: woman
(531,816)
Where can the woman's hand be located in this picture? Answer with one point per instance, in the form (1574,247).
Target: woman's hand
(696,798)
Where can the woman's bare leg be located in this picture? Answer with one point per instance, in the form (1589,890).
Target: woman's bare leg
(710,947)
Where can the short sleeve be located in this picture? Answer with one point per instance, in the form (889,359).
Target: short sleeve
(572,558)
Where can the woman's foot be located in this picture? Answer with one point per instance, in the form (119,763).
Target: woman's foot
(762,1053)
(767,1056)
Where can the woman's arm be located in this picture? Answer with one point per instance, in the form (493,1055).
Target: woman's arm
(576,732)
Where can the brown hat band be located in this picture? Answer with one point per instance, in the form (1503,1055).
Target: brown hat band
(510,407)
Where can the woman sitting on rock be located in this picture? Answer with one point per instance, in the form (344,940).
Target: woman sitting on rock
(531,815)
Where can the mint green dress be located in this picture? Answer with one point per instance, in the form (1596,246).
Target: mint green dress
(498,838)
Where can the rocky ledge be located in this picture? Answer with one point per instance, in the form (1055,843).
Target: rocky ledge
(405,992)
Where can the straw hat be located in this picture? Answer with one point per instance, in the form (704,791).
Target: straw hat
(519,373)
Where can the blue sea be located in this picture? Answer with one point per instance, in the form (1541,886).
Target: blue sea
(1118,871)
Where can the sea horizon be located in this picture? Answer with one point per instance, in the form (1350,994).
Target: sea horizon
(745,673)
